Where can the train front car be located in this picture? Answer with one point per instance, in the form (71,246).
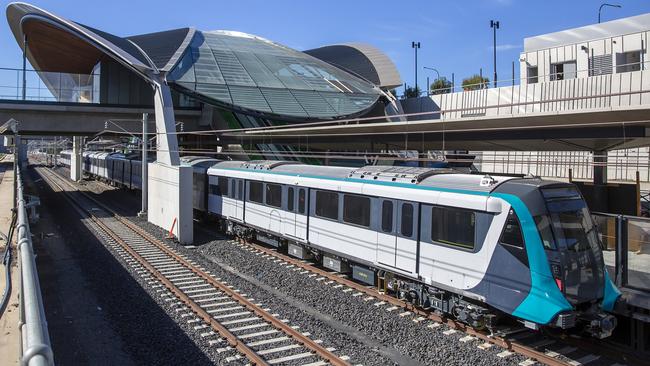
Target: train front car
(568,284)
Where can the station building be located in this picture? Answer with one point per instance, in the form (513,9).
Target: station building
(236,80)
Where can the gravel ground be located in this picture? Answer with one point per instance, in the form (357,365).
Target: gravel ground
(368,334)
(93,307)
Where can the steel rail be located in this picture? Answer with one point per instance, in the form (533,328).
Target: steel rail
(507,344)
(232,339)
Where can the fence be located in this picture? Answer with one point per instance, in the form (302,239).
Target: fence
(35,339)
(622,165)
(626,249)
(48,86)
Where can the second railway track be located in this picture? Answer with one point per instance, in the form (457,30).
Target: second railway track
(233,319)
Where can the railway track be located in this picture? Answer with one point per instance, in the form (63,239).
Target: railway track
(233,320)
(538,347)
(535,346)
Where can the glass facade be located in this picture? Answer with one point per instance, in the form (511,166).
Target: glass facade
(251,73)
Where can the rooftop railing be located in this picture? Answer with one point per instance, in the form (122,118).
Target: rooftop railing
(48,86)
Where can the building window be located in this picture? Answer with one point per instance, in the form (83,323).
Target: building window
(387,216)
(290,199)
(452,226)
(511,234)
(255,192)
(600,65)
(356,210)
(628,61)
(407,220)
(274,195)
(531,74)
(327,205)
(301,201)
(563,71)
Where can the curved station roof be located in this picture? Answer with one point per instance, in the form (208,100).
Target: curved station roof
(234,70)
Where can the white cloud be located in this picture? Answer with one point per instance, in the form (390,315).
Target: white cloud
(506,47)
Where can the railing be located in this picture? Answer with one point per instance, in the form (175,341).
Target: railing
(48,86)
(547,94)
(35,339)
(622,165)
(626,249)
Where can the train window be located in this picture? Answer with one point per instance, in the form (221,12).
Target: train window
(301,201)
(543,223)
(233,189)
(223,186)
(356,210)
(214,189)
(274,195)
(290,199)
(407,220)
(387,216)
(255,192)
(327,204)
(240,193)
(453,226)
(511,234)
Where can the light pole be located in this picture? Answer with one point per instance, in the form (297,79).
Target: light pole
(415,46)
(494,24)
(437,77)
(604,5)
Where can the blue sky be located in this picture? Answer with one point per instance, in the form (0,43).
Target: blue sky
(455,35)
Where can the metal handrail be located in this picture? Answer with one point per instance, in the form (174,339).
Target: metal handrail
(36,348)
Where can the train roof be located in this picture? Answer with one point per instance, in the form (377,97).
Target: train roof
(429,177)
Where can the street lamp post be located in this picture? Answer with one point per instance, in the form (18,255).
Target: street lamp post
(437,77)
(494,24)
(604,5)
(416,45)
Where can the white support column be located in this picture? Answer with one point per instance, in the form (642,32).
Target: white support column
(76,173)
(169,193)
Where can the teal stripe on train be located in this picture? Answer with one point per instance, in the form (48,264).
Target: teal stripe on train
(544,300)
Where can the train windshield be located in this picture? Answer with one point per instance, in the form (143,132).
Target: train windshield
(579,253)
(571,222)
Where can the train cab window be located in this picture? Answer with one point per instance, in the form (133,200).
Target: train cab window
(452,226)
(255,192)
(356,210)
(223,186)
(327,205)
(240,192)
(301,201)
(407,220)
(387,216)
(290,204)
(274,195)
(511,234)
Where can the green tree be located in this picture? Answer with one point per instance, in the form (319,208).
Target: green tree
(440,86)
(475,82)
(412,92)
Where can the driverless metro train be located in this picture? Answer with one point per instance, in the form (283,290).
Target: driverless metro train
(473,246)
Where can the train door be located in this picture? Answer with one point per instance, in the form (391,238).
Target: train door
(301,213)
(386,236)
(289,223)
(237,195)
(407,242)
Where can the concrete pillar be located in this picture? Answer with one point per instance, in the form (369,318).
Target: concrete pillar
(145,165)
(76,160)
(169,193)
(600,167)
(600,200)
